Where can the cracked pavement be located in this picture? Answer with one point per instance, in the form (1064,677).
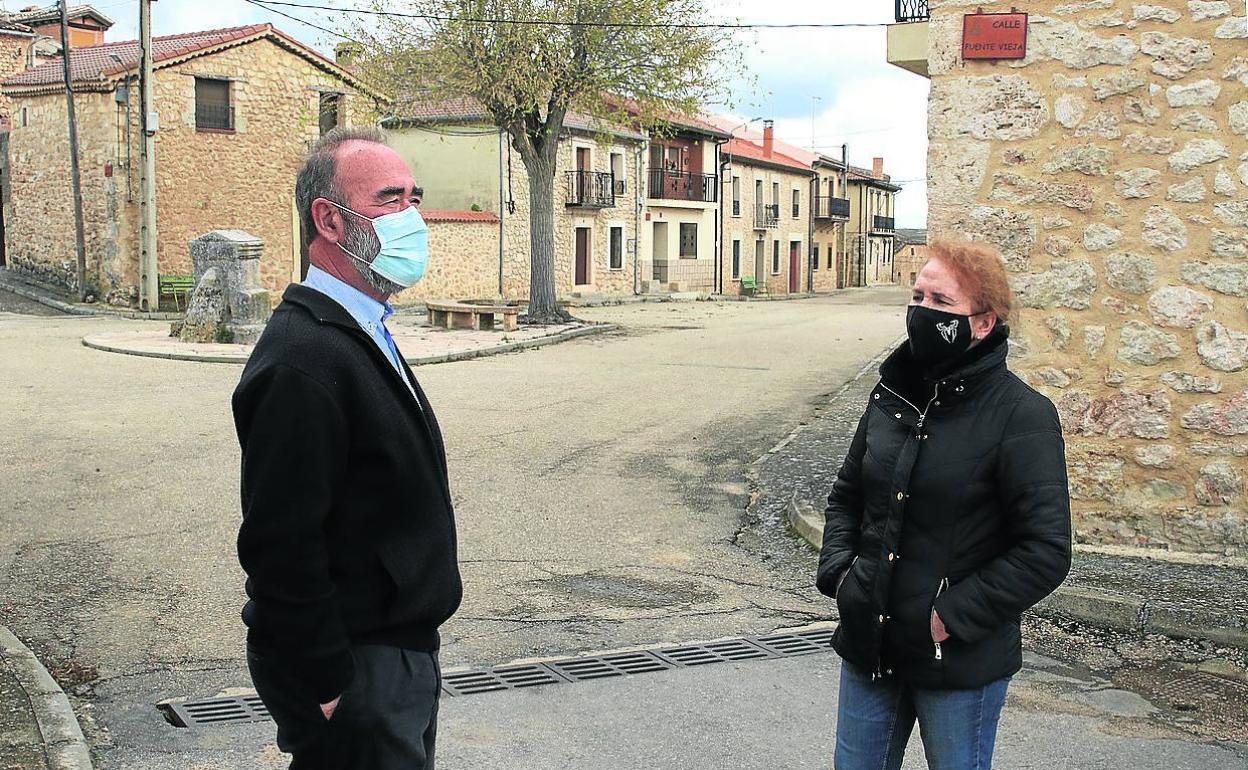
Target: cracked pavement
(600,486)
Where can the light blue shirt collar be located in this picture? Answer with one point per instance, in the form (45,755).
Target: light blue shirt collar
(367,312)
(370,314)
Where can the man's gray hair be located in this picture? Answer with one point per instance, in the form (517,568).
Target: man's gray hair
(317,177)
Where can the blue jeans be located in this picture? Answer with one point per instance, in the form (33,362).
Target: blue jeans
(874,721)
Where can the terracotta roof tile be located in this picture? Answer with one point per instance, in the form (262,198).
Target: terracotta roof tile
(53,13)
(468,108)
(747,150)
(451,215)
(94,63)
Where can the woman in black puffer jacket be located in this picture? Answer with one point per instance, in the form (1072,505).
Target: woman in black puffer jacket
(949,518)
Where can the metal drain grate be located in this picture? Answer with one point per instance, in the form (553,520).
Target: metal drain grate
(1199,685)
(205,713)
(248,708)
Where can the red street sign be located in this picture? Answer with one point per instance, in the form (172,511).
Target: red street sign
(994,36)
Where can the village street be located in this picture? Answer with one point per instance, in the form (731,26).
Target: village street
(601,490)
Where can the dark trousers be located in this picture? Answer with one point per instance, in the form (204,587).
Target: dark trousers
(387,719)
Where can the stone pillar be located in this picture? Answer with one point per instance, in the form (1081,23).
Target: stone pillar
(229,304)
(1110,166)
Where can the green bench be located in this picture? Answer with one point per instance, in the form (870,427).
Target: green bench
(176,286)
(750,287)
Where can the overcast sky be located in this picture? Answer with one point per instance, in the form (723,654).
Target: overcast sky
(877,109)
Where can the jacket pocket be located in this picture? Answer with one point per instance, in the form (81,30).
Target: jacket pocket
(840,581)
(941,588)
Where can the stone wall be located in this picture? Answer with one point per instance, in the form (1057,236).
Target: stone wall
(244,179)
(908,261)
(14,56)
(39,216)
(1111,169)
(463,262)
(787,229)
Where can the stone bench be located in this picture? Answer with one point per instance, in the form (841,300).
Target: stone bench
(465,315)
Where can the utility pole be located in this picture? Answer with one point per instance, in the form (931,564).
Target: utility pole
(843,259)
(149,297)
(76,182)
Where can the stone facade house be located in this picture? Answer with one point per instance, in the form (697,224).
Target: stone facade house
(86,25)
(682,196)
(237,110)
(872,211)
(767,217)
(1110,167)
(463,162)
(909,255)
(830,211)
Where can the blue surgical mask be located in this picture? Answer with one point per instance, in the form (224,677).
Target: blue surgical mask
(404,252)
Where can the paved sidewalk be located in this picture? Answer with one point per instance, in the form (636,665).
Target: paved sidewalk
(420,344)
(38,729)
(1184,595)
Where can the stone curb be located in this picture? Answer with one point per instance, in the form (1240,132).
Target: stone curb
(1100,608)
(241,358)
(64,745)
(30,292)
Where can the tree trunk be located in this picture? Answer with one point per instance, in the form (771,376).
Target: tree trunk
(543,308)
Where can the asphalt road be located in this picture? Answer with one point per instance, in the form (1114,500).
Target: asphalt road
(599,489)
(603,493)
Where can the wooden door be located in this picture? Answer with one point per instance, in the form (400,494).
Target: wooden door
(582,256)
(795,266)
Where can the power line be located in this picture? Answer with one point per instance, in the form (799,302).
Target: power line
(544,23)
(303,21)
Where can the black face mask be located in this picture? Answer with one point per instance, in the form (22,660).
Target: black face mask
(937,337)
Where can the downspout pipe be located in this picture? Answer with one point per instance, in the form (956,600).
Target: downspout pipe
(718,284)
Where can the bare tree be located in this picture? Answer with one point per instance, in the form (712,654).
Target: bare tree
(529,62)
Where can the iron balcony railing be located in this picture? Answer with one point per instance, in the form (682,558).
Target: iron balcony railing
(214,117)
(827,207)
(682,186)
(591,189)
(912,10)
(883,224)
(767,216)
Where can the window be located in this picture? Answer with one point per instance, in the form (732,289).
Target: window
(797,204)
(617,249)
(775,196)
(736,259)
(688,240)
(617,172)
(814,257)
(775,257)
(213,111)
(329,111)
(25,117)
(736,196)
(831,249)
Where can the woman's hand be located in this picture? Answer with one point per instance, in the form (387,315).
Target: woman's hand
(939,634)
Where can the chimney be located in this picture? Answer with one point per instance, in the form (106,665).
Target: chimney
(347,54)
(877,168)
(769,137)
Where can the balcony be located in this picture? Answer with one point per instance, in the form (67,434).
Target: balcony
(827,207)
(882,225)
(767,217)
(911,10)
(591,189)
(682,186)
(907,39)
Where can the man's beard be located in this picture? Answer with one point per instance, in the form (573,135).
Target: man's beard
(362,242)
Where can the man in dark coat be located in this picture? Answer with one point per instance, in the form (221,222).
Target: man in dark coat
(348,533)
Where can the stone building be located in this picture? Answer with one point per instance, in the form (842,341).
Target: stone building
(767,216)
(682,196)
(464,163)
(85,24)
(830,210)
(1110,167)
(237,109)
(869,229)
(909,255)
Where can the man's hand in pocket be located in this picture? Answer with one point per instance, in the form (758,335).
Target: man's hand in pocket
(328,708)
